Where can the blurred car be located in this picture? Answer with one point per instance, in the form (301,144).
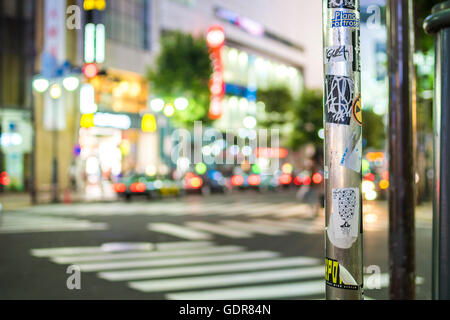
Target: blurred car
(143,185)
(246,181)
(215,182)
(192,183)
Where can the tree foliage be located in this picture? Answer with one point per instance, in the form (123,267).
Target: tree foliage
(374,130)
(183,69)
(278,106)
(307,119)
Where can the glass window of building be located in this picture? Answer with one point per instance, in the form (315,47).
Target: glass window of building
(128,22)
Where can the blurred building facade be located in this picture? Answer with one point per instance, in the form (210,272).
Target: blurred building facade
(16,70)
(99,140)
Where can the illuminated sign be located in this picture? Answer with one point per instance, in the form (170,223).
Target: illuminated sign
(87,99)
(94,5)
(148,123)
(10,139)
(215,38)
(110,120)
(94,43)
(274,153)
(87,120)
(244,23)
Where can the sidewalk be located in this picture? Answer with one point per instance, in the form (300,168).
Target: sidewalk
(13,201)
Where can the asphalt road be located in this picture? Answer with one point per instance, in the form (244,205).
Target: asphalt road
(241,246)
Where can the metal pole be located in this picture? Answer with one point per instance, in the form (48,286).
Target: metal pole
(401,163)
(343,149)
(55,187)
(439,23)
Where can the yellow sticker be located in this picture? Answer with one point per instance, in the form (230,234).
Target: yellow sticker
(357,110)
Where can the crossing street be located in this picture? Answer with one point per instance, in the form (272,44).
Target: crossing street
(178,270)
(227,247)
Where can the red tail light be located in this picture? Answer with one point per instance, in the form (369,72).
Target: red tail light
(4,178)
(317,178)
(196,182)
(307,180)
(137,187)
(254,180)
(298,181)
(237,180)
(285,179)
(119,187)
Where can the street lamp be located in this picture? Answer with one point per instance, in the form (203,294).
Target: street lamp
(55,93)
(181,103)
(71,83)
(41,85)
(157,104)
(169,110)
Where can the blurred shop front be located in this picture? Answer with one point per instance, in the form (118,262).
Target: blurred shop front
(117,137)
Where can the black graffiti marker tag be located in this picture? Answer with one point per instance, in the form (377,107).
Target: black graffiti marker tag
(346,4)
(339,99)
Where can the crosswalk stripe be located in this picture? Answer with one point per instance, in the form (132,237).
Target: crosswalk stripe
(77,251)
(275,291)
(142,255)
(303,227)
(208,269)
(235,209)
(289,290)
(182,245)
(179,231)
(295,210)
(177,261)
(268,209)
(252,227)
(214,228)
(55,228)
(226,280)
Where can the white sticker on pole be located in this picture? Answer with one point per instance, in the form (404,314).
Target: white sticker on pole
(343,226)
(351,159)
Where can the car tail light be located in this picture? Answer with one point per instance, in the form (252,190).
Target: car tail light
(254,180)
(119,187)
(196,182)
(237,180)
(317,178)
(4,178)
(137,187)
(307,180)
(298,181)
(285,179)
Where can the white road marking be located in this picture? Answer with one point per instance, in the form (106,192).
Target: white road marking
(177,261)
(76,251)
(252,227)
(182,245)
(302,227)
(290,290)
(227,279)
(143,255)
(208,269)
(269,209)
(179,231)
(217,229)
